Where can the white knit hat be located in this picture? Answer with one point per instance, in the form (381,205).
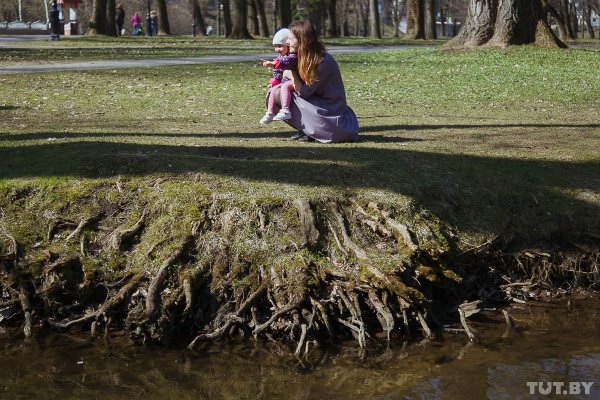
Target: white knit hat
(281,36)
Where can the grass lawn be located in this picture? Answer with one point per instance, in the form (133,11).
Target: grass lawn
(487,141)
(85,48)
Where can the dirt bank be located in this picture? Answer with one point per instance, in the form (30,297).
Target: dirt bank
(159,263)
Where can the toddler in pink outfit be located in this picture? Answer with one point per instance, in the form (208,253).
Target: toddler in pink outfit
(287,59)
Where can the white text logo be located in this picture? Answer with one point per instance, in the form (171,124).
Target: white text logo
(566,388)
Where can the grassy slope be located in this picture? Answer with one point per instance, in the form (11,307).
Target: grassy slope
(484,139)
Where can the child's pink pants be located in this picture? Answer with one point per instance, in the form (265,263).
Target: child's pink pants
(286,97)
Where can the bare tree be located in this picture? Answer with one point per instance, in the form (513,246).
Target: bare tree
(111,26)
(197,15)
(505,22)
(333,27)
(285,12)
(587,18)
(253,17)
(240,22)
(414,19)
(262,17)
(397,10)
(374,25)
(364,17)
(420,19)
(566,12)
(429,27)
(97,24)
(558,19)
(163,18)
(227,17)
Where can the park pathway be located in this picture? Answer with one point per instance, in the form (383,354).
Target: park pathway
(9,42)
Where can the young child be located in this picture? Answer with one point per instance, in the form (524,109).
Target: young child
(135,22)
(287,59)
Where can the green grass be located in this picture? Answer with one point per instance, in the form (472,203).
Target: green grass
(186,41)
(482,139)
(87,48)
(63,55)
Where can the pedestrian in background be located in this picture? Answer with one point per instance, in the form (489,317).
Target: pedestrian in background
(135,21)
(120,19)
(153,23)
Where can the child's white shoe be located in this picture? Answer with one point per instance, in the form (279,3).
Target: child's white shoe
(267,119)
(282,116)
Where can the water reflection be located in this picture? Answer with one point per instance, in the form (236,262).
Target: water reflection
(551,344)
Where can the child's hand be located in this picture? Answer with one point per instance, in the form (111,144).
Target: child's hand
(269,86)
(267,63)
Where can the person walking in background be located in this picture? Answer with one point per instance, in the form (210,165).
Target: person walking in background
(153,23)
(135,21)
(120,19)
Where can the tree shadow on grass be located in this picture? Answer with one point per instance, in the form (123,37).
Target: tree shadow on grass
(284,134)
(397,127)
(473,193)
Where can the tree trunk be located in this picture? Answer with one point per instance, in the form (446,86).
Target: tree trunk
(333,29)
(163,18)
(587,15)
(500,23)
(566,13)
(285,12)
(111,25)
(429,28)
(197,16)
(558,18)
(396,18)
(443,21)
(47,13)
(262,18)
(97,24)
(227,17)
(344,24)
(478,29)
(364,14)
(414,19)
(240,21)
(374,19)
(253,17)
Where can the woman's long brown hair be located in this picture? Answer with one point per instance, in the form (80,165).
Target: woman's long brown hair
(310,50)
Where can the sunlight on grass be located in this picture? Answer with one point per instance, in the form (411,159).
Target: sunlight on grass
(479,138)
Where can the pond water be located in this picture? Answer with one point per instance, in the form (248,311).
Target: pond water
(554,344)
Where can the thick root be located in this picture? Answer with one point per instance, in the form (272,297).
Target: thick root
(308,220)
(152,311)
(112,303)
(121,236)
(230,320)
(82,225)
(26,306)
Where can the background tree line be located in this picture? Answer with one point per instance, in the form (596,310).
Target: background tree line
(333,18)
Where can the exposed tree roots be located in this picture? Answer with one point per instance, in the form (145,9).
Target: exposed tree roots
(121,236)
(305,273)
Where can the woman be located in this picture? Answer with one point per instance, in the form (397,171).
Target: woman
(120,19)
(319,110)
